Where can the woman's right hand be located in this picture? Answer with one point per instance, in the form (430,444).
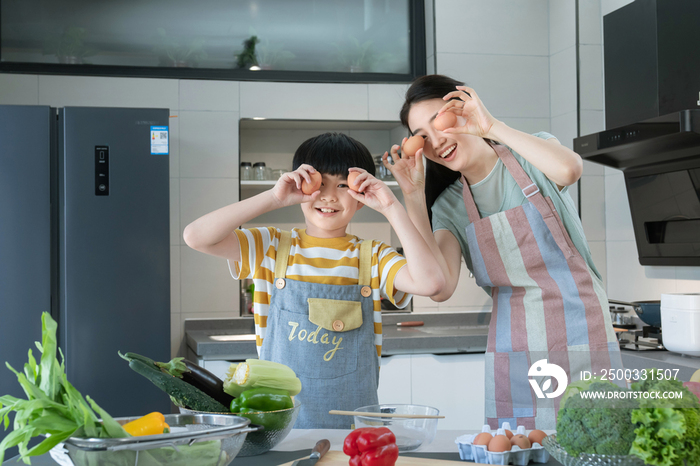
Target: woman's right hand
(287,190)
(407,171)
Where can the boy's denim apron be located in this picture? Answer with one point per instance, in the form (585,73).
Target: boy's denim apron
(325,333)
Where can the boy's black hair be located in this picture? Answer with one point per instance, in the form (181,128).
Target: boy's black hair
(333,154)
(434,86)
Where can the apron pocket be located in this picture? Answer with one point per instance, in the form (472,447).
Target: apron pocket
(335,315)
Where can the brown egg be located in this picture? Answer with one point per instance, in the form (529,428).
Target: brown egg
(499,443)
(521,441)
(509,434)
(412,145)
(316,180)
(482,439)
(351,181)
(536,436)
(444,121)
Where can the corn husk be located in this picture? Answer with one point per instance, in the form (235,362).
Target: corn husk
(257,373)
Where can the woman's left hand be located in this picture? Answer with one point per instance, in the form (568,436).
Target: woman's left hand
(468,105)
(372,192)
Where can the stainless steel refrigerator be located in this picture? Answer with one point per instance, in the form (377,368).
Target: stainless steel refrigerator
(84,234)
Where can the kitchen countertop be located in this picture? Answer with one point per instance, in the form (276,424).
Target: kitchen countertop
(466,332)
(299,442)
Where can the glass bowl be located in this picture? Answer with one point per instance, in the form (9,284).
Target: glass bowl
(276,426)
(202,439)
(411,434)
(587,459)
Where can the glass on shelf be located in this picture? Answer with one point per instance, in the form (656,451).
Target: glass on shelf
(246,171)
(260,171)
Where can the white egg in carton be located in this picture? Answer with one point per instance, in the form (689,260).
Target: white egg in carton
(516,456)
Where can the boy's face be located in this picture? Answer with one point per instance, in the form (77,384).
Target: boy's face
(330,213)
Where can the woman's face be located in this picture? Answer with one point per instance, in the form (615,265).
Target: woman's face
(450,150)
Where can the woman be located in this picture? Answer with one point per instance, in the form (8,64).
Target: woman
(498,198)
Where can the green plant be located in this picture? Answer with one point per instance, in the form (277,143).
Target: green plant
(247,58)
(70,46)
(174,52)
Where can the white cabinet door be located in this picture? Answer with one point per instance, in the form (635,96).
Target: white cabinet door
(452,383)
(395,379)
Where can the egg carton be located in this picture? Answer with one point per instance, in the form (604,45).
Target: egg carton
(516,456)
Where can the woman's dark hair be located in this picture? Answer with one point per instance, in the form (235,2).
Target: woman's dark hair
(333,154)
(433,86)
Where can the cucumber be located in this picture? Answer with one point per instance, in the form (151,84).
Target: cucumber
(182,393)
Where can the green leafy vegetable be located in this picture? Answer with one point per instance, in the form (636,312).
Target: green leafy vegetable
(53,406)
(669,428)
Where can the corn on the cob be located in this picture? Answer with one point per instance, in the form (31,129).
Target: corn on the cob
(257,373)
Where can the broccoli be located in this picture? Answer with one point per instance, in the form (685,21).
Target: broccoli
(597,425)
(668,432)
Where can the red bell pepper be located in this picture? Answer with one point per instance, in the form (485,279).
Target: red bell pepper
(371,446)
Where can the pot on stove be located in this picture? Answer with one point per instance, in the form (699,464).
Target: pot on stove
(648,311)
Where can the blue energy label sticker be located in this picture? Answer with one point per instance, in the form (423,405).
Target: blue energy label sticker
(159,140)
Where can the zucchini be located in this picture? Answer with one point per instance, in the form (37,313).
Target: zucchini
(182,393)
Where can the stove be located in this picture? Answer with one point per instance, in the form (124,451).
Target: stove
(645,339)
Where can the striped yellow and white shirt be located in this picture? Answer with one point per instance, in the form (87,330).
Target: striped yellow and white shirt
(332,261)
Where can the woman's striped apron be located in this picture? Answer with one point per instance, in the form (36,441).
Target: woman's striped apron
(548,307)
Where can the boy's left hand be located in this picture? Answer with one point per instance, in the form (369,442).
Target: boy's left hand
(372,192)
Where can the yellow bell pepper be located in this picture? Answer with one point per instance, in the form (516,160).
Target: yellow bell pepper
(150,424)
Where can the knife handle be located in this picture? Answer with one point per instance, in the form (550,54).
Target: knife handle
(320,449)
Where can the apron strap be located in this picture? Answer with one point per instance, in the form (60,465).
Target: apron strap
(282,256)
(365,263)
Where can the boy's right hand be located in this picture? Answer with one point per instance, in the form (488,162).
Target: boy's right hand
(287,190)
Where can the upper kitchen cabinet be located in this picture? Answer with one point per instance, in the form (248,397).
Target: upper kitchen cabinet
(265,40)
(267,148)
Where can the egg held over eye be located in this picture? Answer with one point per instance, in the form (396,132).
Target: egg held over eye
(352,176)
(499,443)
(444,121)
(309,188)
(412,145)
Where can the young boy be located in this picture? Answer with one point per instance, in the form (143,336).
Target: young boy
(317,291)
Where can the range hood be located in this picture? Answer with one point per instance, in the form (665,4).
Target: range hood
(652,113)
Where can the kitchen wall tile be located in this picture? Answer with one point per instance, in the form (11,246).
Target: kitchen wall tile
(598,252)
(174,126)
(177,342)
(562,79)
(590,168)
(199,196)
(592,121)
(310,101)
(207,285)
(591,72)
(209,144)
(76,91)
(590,22)
(425,310)
(528,125)
(687,279)
(385,101)
(508,85)
(175,232)
(499,27)
(395,379)
(19,89)
(593,207)
(612,171)
(618,219)
(629,281)
(175,307)
(209,96)
(564,128)
(562,26)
